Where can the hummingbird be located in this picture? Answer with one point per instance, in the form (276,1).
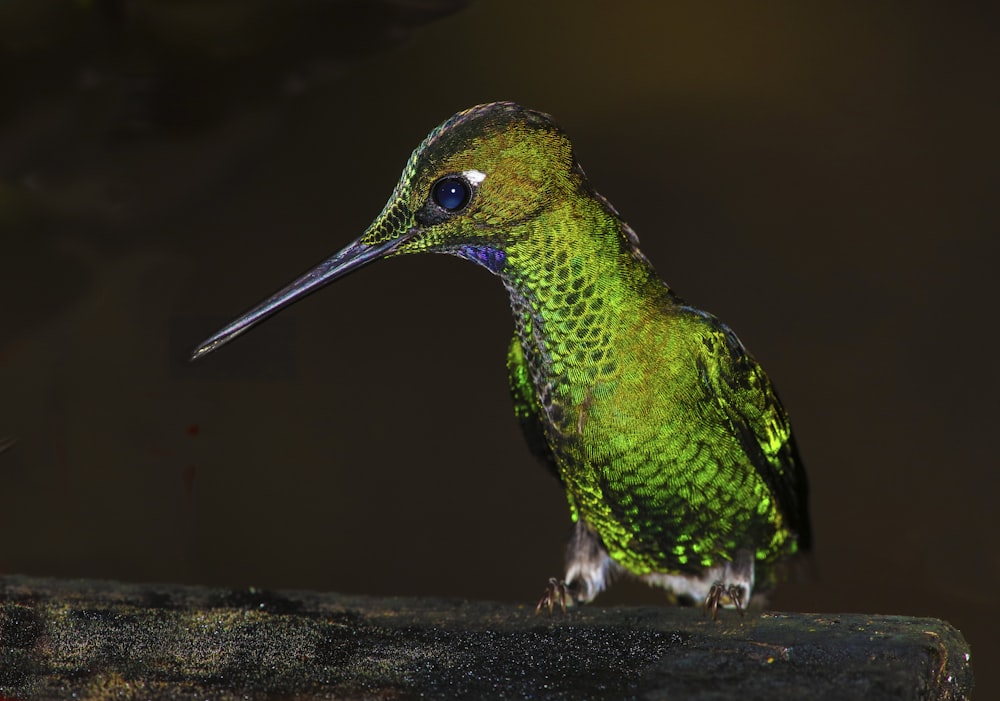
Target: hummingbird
(676,456)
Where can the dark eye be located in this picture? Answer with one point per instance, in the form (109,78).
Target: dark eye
(451,193)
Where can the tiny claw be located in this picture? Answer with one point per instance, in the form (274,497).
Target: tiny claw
(555,593)
(712,600)
(736,594)
(720,592)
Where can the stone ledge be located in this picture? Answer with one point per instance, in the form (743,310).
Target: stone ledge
(91,639)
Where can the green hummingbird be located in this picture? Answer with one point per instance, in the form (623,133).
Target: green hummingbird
(676,456)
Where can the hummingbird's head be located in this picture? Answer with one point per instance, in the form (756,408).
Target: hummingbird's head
(476,184)
(475,181)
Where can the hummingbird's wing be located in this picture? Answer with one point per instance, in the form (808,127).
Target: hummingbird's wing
(526,406)
(747,398)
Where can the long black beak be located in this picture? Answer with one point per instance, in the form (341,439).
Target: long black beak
(349,259)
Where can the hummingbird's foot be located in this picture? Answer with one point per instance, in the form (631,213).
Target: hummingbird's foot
(721,593)
(556,593)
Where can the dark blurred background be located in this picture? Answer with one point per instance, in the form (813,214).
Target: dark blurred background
(823,178)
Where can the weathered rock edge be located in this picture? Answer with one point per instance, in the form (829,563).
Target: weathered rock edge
(91,639)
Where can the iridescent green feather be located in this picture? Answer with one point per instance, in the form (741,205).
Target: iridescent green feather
(667,435)
(526,406)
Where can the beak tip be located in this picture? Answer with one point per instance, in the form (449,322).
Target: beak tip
(203,350)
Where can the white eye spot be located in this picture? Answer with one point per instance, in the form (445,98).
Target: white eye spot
(474,176)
